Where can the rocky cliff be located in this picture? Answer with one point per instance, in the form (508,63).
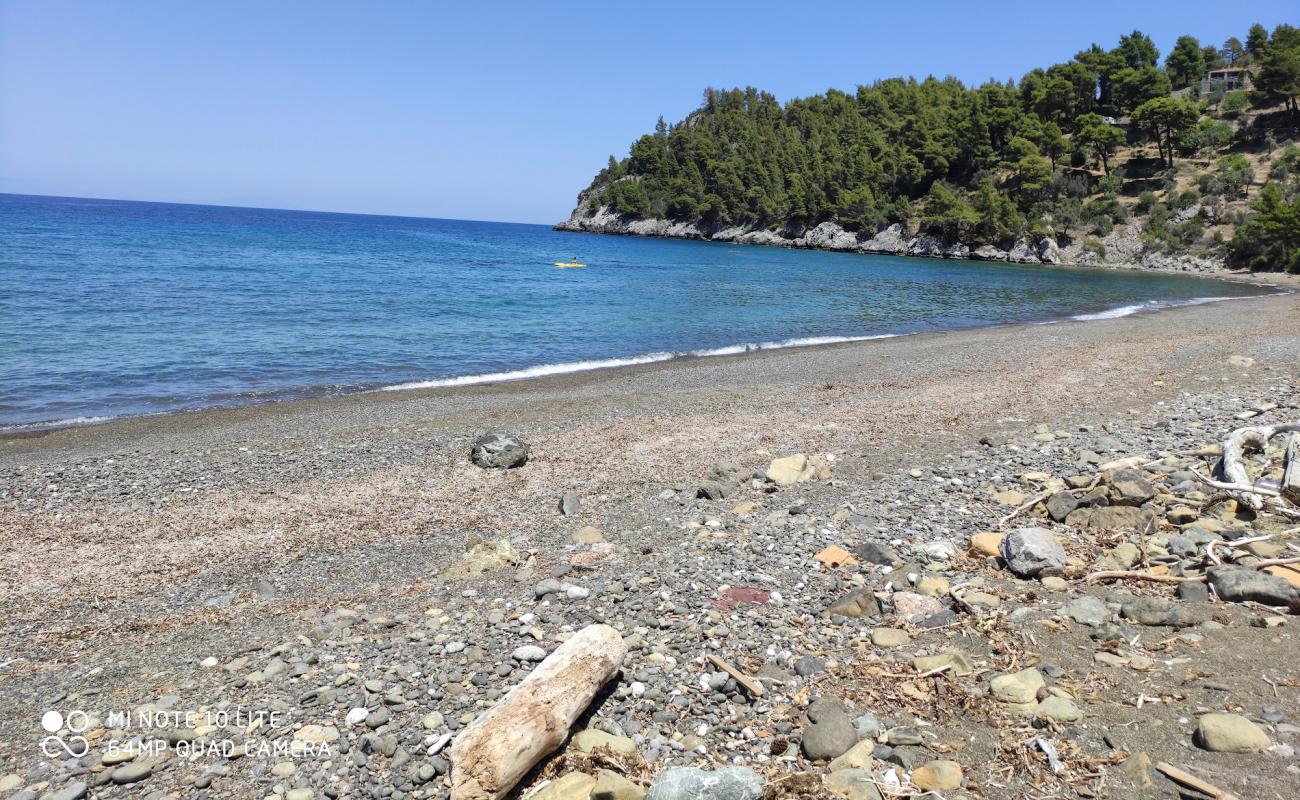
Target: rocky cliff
(1123,247)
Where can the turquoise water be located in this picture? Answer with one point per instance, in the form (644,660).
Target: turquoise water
(110,308)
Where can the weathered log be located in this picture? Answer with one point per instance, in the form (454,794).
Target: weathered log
(499,748)
(1234,449)
(1291,477)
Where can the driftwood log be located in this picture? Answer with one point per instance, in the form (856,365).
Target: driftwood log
(1291,477)
(1234,466)
(499,748)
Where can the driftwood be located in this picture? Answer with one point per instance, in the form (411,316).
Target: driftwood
(753,687)
(1234,467)
(1291,477)
(1188,779)
(499,748)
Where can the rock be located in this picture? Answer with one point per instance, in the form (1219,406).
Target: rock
(1018,687)
(797,468)
(1054,584)
(1122,556)
(891,240)
(1131,486)
(986,544)
(853,784)
(587,535)
(573,786)
(1049,252)
(911,605)
(867,726)
(1230,733)
(693,783)
(484,557)
(1086,610)
(10,782)
(956,660)
(937,776)
(570,504)
(1030,552)
(876,553)
(932,587)
(499,451)
(988,253)
(854,605)
(73,791)
(299,794)
(859,756)
(890,637)
(1240,584)
(1161,611)
(590,740)
(528,652)
(711,490)
(828,731)
(1194,591)
(1113,518)
(612,786)
(1060,505)
(133,772)
(1059,709)
(1010,497)
(1287,572)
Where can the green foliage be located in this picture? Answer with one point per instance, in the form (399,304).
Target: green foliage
(1145,202)
(1207,134)
(947,215)
(1165,118)
(1235,175)
(1270,238)
(1186,62)
(1234,103)
(1233,52)
(1131,87)
(1278,79)
(1099,137)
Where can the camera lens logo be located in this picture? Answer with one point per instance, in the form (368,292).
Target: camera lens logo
(74,744)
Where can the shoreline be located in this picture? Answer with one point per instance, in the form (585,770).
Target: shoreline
(237,556)
(1284,285)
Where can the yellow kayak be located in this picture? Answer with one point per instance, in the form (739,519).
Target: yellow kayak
(569,264)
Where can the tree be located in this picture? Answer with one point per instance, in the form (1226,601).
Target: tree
(1270,238)
(1185,63)
(1137,50)
(1232,52)
(947,215)
(1099,138)
(1131,87)
(1165,119)
(1235,175)
(1278,79)
(1256,39)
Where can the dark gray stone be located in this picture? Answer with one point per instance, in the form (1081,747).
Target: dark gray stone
(499,451)
(1240,584)
(1033,552)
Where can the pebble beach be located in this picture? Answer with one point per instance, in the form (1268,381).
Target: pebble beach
(829,522)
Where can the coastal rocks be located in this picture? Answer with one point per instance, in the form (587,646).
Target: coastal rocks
(1049,252)
(988,253)
(890,241)
(1019,688)
(828,236)
(483,557)
(1241,584)
(937,776)
(1230,733)
(612,786)
(499,451)
(693,783)
(828,731)
(797,468)
(573,786)
(1032,552)
(1022,252)
(1162,612)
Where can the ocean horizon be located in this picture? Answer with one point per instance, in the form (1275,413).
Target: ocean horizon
(117,308)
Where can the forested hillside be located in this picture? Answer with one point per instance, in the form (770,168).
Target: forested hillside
(1111,137)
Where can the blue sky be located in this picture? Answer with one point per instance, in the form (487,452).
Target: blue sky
(484,110)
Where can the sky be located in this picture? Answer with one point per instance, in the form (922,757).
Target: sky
(482,110)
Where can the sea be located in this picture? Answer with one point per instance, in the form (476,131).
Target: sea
(119,308)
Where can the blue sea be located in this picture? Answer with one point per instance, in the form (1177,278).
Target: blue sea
(111,308)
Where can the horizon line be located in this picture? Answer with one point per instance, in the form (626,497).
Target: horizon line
(269,208)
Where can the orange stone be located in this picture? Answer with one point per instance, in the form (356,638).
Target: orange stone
(836,556)
(1289,572)
(985,544)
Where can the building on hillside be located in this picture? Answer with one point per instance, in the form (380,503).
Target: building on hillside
(1226,79)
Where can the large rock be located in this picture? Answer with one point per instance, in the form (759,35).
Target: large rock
(1230,733)
(828,731)
(830,236)
(988,253)
(1131,487)
(1161,611)
(938,776)
(499,451)
(1113,518)
(1241,584)
(693,783)
(1049,252)
(890,241)
(1024,253)
(797,468)
(1033,552)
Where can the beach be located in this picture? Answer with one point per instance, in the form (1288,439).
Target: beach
(134,550)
